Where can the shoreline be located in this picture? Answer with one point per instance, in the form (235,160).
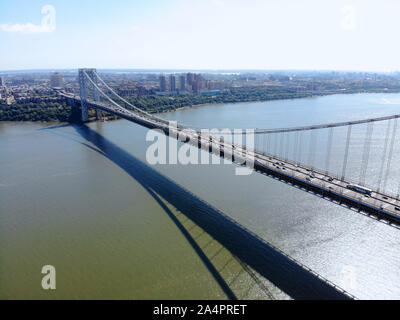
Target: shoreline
(280,99)
(221,103)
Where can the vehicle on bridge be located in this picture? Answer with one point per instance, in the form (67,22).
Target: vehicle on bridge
(359,189)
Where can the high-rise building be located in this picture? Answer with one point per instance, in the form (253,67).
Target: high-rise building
(196,86)
(198,77)
(56,80)
(141,90)
(163,84)
(182,83)
(190,78)
(172,83)
(2,82)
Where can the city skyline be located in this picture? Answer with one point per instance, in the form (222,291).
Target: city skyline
(200,35)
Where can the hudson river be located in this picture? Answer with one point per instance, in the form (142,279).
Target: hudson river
(84,199)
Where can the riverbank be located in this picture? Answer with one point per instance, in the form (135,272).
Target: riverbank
(283,99)
(61,112)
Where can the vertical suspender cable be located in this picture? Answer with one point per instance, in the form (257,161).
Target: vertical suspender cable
(287,146)
(398,192)
(365,155)
(295,146)
(384,155)
(258,143)
(300,149)
(390,155)
(311,155)
(346,152)
(264,141)
(328,150)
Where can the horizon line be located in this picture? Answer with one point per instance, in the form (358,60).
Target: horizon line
(200,69)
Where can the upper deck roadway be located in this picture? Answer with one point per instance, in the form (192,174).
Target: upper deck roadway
(379,204)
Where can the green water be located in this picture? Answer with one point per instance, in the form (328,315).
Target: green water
(64,201)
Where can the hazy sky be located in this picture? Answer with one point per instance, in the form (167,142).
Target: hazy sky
(200,34)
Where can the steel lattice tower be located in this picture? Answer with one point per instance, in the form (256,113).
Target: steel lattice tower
(84,85)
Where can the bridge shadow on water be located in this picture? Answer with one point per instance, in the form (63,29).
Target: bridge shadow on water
(269,262)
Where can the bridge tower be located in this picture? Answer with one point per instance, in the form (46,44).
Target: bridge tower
(85,89)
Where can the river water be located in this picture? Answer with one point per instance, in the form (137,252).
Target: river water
(84,199)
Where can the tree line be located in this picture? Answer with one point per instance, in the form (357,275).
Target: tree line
(62,112)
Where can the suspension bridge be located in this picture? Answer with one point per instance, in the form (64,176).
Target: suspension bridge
(287,154)
(293,155)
